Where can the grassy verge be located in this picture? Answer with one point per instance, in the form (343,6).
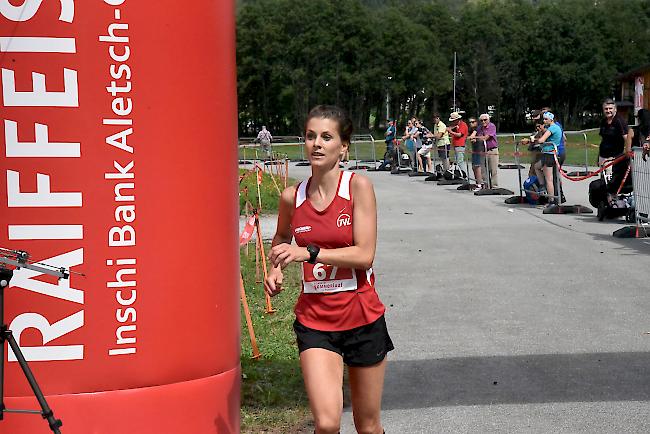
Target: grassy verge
(273,394)
(269,190)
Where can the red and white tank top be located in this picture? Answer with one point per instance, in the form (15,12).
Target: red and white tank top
(332,298)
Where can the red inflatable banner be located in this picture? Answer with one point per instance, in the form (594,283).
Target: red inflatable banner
(117,165)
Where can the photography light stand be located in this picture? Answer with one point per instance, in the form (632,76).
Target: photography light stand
(20,259)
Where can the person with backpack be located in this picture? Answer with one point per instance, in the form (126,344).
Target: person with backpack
(264,138)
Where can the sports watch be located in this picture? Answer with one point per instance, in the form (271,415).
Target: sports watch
(313,250)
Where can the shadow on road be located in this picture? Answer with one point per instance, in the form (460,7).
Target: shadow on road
(525,379)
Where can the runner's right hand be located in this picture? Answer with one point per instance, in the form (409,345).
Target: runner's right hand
(273,281)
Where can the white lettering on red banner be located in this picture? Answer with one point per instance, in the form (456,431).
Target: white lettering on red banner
(121,236)
(46,195)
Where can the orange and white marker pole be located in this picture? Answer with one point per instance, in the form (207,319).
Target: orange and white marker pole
(249,321)
(269,308)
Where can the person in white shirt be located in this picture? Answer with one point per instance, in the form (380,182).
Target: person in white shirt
(264,138)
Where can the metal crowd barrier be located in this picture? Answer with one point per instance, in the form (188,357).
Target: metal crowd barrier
(576,140)
(363,152)
(641,184)
(282,147)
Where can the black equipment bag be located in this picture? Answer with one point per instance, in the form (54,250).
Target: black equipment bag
(597,192)
(454,172)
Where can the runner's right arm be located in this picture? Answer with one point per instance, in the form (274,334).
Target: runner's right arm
(273,282)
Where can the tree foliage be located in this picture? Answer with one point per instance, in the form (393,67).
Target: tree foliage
(511,56)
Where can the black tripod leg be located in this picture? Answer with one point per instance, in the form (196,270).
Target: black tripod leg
(46,410)
(2,369)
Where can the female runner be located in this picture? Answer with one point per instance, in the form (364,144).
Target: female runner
(339,317)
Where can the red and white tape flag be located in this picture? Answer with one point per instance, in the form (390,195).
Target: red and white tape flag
(259,176)
(247,233)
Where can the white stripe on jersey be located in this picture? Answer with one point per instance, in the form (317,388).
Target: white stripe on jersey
(344,189)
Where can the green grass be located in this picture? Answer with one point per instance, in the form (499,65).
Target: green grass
(273,394)
(269,191)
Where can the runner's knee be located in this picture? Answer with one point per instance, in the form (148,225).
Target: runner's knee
(369,426)
(327,425)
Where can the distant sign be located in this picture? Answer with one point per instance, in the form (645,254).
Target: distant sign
(638,93)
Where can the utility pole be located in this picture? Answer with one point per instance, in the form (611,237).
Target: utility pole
(455,108)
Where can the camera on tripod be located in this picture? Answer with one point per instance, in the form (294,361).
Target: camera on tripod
(20,259)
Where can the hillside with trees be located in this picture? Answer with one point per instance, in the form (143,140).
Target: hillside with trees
(511,56)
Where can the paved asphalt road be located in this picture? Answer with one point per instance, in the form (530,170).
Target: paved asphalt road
(505,319)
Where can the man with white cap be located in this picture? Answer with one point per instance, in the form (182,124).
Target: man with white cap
(458,132)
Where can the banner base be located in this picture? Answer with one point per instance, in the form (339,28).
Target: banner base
(496,191)
(208,405)
(631,232)
(567,209)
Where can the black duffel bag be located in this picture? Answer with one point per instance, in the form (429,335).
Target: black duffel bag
(597,192)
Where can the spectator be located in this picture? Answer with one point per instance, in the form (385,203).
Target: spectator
(389,138)
(550,142)
(642,132)
(458,132)
(478,153)
(487,131)
(425,150)
(614,133)
(417,140)
(264,138)
(561,149)
(441,137)
(408,141)
(533,147)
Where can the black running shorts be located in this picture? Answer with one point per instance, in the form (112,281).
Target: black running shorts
(548,160)
(362,346)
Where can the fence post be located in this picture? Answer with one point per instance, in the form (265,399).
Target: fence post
(586,153)
(301,143)
(517,162)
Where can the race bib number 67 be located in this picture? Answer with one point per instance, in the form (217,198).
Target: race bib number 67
(320,278)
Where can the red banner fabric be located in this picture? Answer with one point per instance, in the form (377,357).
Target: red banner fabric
(116,168)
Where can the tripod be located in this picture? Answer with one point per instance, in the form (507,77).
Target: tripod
(6,335)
